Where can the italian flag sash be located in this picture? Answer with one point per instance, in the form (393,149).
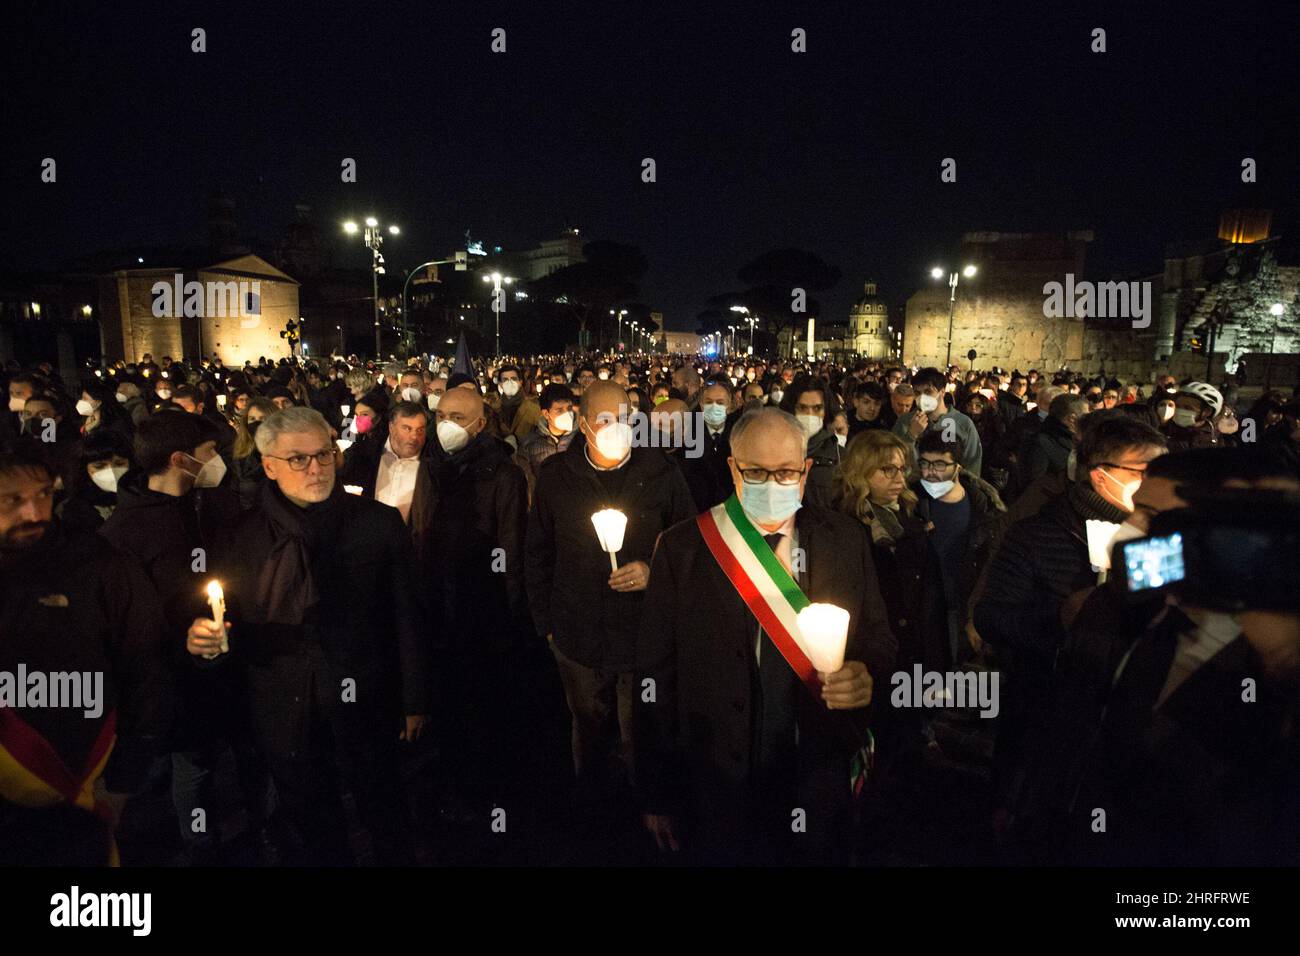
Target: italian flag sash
(762,582)
(773,597)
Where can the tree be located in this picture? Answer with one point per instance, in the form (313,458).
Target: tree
(771,280)
(589,289)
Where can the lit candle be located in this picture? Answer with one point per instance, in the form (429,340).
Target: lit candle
(610,526)
(221,400)
(825,632)
(217,598)
(353,489)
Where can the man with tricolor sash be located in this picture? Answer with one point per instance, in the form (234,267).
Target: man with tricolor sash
(746,753)
(71,604)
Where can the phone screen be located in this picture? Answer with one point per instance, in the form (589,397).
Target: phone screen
(1154,562)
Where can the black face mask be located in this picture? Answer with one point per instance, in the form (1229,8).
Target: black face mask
(252,428)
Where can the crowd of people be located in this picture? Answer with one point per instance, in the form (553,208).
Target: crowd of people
(420,634)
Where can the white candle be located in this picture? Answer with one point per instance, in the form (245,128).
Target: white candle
(825,632)
(1101,534)
(353,489)
(217,598)
(610,527)
(221,401)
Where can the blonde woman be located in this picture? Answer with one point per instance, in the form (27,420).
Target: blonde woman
(871,485)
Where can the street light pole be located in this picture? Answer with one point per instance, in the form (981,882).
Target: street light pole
(953,278)
(374,240)
(497,279)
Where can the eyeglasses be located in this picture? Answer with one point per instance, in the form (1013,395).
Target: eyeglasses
(929,467)
(783,476)
(1111,464)
(892,471)
(299,462)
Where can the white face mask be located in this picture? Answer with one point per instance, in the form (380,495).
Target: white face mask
(564,422)
(1126,489)
(1164,412)
(603,375)
(1184,418)
(927,403)
(937,489)
(121,398)
(775,397)
(164,394)
(211,472)
(811,424)
(842,439)
(510,388)
(84,408)
(433,398)
(410,394)
(614,441)
(107,478)
(452,437)
(16,404)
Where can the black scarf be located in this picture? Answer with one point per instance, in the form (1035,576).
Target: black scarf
(286,584)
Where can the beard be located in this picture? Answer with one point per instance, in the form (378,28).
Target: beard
(25,535)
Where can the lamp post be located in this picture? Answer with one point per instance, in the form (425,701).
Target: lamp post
(620,313)
(497,279)
(733,339)
(1277,310)
(374,240)
(953,278)
(634,338)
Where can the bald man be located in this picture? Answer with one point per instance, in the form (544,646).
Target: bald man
(767,735)
(588,613)
(473,581)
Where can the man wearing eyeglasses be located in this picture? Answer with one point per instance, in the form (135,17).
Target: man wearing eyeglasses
(739,759)
(322,622)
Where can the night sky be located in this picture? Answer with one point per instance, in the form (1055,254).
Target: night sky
(837,150)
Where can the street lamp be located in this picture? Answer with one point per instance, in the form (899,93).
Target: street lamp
(634,338)
(733,339)
(749,317)
(497,279)
(620,314)
(374,239)
(953,277)
(1277,310)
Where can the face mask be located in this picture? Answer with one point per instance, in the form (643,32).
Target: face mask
(539,386)
(452,437)
(362,423)
(937,489)
(411,394)
(84,408)
(614,441)
(811,424)
(775,397)
(211,472)
(107,478)
(603,375)
(1227,425)
(510,388)
(1164,412)
(1126,488)
(164,394)
(842,439)
(749,375)
(1184,418)
(253,427)
(16,404)
(927,403)
(770,502)
(714,414)
(433,398)
(564,422)
(660,399)
(121,398)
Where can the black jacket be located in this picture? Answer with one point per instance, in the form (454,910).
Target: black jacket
(693,740)
(1050,452)
(567,572)
(363,613)
(824,450)
(474,558)
(708,476)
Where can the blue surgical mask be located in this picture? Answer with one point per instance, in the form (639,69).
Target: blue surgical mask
(770,502)
(714,414)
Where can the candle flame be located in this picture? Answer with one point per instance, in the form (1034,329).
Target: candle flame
(214,591)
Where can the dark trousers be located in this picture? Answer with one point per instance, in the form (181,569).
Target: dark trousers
(314,744)
(601,705)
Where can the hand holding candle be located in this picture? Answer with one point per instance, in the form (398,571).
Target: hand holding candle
(610,527)
(217,598)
